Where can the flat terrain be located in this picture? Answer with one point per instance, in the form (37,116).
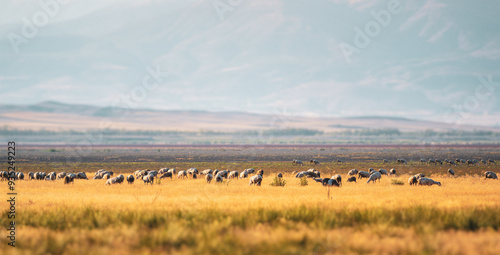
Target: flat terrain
(192,217)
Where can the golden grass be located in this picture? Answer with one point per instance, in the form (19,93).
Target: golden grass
(192,217)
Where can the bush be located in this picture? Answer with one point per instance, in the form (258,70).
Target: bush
(303,181)
(397,182)
(279,182)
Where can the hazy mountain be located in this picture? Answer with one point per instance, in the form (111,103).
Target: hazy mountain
(59,116)
(276,57)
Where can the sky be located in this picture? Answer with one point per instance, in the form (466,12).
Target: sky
(431,60)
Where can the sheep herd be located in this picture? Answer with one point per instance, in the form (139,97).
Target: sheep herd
(255,177)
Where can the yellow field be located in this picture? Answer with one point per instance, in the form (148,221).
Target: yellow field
(189,216)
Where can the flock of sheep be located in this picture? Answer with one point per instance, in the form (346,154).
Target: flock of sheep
(148,176)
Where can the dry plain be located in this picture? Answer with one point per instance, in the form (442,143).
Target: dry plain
(192,217)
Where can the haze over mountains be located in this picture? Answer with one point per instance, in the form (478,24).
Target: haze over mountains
(266,56)
(63,117)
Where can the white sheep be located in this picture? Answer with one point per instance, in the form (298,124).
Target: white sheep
(255,180)
(375,176)
(353,172)
(209,177)
(427,182)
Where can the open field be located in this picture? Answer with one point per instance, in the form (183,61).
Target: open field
(192,217)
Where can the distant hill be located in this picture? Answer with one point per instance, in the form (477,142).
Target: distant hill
(58,116)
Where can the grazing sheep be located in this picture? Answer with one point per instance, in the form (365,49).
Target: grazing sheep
(173,171)
(439,162)
(297,162)
(163,170)
(484,162)
(427,182)
(222,174)
(52,176)
(353,172)
(69,179)
(216,171)
(413,180)
(314,173)
(314,162)
(332,182)
(300,174)
(392,172)
(182,174)
(451,171)
(153,173)
(351,179)
(209,177)
(106,176)
(250,170)
(339,161)
(148,179)
(31,175)
(371,170)
(111,181)
(385,161)
(280,175)
(419,175)
(61,175)
(244,174)
(363,174)
(206,171)
(130,179)
(470,162)
(423,161)
(492,161)
(72,175)
(490,175)
(338,178)
(402,161)
(255,180)
(233,175)
(382,171)
(20,176)
(166,175)
(375,176)
(218,178)
(81,175)
(192,171)
(432,161)
(4,175)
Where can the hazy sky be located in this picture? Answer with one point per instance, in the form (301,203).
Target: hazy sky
(336,58)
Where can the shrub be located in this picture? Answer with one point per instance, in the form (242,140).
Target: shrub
(397,182)
(303,181)
(279,182)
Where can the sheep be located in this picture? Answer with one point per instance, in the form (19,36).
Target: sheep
(20,176)
(451,171)
(209,177)
(206,171)
(413,180)
(31,175)
(216,171)
(120,178)
(351,179)
(106,176)
(69,179)
(72,175)
(470,162)
(300,174)
(192,171)
(140,173)
(60,175)
(402,161)
(111,181)
(4,175)
(194,176)
(244,174)
(422,160)
(363,174)
(222,174)
(130,179)
(81,175)
(250,170)
(419,175)
(427,182)
(148,179)
(297,162)
(484,162)
(166,175)
(492,161)
(392,172)
(181,174)
(371,170)
(352,172)
(233,175)
(338,178)
(218,178)
(375,176)
(332,182)
(255,180)
(432,161)
(313,172)
(439,162)
(314,162)
(163,170)
(280,175)
(385,161)
(153,173)
(382,171)
(490,175)
(52,176)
